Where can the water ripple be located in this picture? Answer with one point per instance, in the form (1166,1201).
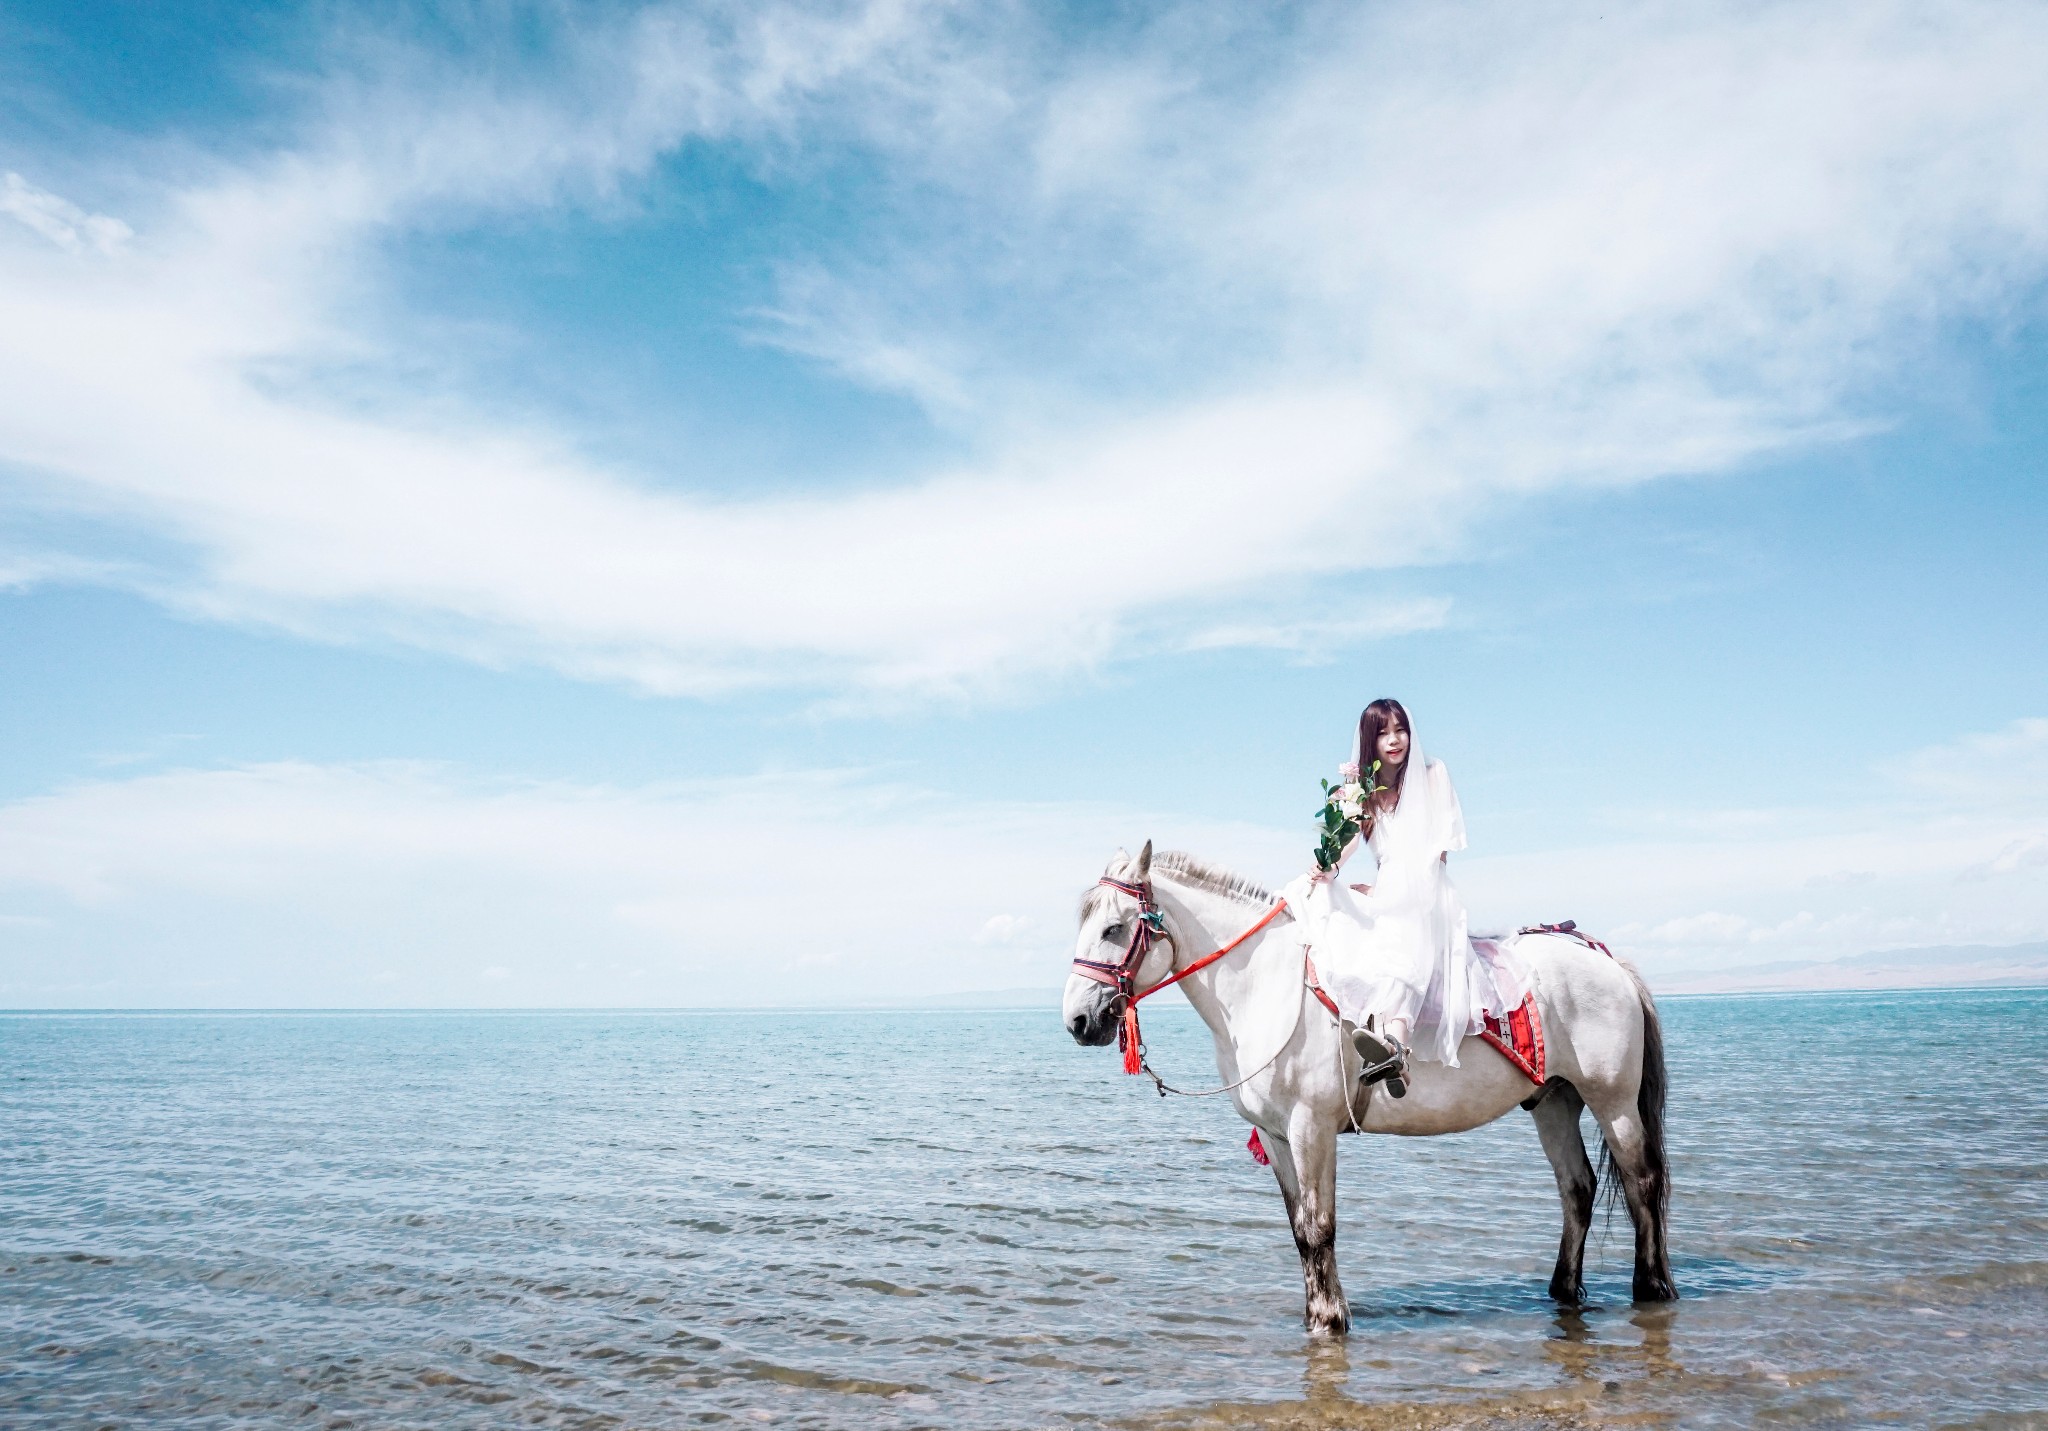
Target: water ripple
(963,1221)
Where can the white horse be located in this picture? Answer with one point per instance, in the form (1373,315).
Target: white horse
(1299,1072)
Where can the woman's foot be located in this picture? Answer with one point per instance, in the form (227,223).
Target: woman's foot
(1386,1060)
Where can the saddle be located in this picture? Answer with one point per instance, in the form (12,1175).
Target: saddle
(1519,1037)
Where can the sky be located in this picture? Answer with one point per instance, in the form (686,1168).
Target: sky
(705,505)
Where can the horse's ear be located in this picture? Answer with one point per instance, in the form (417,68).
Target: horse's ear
(1118,862)
(1145,862)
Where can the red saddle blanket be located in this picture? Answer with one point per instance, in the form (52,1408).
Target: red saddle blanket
(1519,1037)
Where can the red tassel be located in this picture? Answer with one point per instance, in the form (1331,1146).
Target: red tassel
(1127,1038)
(1258,1150)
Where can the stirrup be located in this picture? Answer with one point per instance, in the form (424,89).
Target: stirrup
(1386,1060)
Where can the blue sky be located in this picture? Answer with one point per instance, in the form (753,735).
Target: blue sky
(695,504)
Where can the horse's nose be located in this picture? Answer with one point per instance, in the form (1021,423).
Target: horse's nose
(1077,1025)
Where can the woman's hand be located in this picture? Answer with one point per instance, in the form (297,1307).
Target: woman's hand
(1363,888)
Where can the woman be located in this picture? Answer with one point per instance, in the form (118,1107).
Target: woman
(1395,954)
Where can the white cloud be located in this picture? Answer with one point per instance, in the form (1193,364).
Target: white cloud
(1004,929)
(2007,768)
(393,884)
(1710,928)
(61,222)
(1228,309)
(405,885)
(1947,866)
(24,570)
(2028,852)
(1316,640)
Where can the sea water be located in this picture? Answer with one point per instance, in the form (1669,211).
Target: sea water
(903,1219)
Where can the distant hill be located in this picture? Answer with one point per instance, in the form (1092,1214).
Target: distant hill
(1946,966)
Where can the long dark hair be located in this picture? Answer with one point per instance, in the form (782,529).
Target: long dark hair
(1373,722)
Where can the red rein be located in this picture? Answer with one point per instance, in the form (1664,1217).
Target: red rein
(1123,976)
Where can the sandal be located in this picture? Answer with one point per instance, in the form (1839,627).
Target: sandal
(1386,1060)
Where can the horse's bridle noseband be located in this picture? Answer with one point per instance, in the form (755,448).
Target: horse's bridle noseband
(1147,927)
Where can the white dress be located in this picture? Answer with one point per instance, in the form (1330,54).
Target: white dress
(1404,950)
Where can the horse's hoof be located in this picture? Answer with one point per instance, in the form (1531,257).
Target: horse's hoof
(1327,1315)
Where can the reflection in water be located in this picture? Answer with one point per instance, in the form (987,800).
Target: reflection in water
(1571,1325)
(1605,1373)
(1655,1323)
(1326,1373)
(1581,1355)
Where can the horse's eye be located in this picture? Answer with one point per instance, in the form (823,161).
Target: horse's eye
(1113,933)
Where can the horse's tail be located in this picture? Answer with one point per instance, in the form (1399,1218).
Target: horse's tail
(1650,1091)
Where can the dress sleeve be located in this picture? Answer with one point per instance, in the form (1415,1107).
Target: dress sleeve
(1450,815)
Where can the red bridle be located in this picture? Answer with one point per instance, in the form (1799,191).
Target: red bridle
(1123,976)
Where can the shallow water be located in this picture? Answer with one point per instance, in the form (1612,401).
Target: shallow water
(962,1220)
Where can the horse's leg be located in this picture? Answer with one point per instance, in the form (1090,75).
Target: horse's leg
(1643,1183)
(1312,1212)
(1557,1124)
(1633,1122)
(1285,1173)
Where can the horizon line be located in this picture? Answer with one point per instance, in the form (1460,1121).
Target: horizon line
(936,1008)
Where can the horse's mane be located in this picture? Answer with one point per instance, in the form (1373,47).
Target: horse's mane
(1184,868)
(1191,870)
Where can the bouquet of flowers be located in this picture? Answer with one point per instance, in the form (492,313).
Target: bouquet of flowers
(1343,812)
